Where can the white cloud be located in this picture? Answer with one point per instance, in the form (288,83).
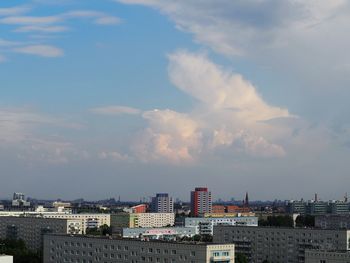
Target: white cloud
(41,50)
(12,11)
(229,116)
(116,110)
(46,26)
(170,136)
(21,135)
(7,43)
(42,29)
(30,20)
(219,89)
(108,20)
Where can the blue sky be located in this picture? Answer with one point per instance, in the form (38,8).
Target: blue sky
(132,97)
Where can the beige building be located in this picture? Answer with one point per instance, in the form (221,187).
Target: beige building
(6,259)
(280,244)
(321,256)
(133,220)
(86,220)
(32,229)
(64,248)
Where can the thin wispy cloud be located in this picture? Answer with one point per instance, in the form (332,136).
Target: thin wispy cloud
(23,21)
(41,50)
(116,110)
(42,29)
(16,10)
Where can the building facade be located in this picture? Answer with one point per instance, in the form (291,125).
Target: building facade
(93,220)
(162,203)
(324,256)
(333,222)
(206,225)
(64,248)
(130,220)
(165,233)
(201,201)
(32,229)
(19,200)
(280,244)
(6,259)
(317,207)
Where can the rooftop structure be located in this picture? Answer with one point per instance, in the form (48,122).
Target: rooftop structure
(100,249)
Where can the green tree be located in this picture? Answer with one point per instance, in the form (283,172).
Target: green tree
(305,221)
(241,258)
(279,221)
(19,251)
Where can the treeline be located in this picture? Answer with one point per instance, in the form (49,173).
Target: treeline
(287,221)
(19,251)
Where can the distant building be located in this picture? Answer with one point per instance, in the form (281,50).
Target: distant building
(6,259)
(32,229)
(339,207)
(142,208)
(86,220)
(218,209)
(324,256)
(163,233)
(205,226)
(57,204)
(296,207)
(63,248)
(130,220)
(333,221)
(201,201)
(317,207)
(279,244)
(162,203)
(19,200)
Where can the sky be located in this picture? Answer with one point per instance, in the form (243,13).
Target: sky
(109,98)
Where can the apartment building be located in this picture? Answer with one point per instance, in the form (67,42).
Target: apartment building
(32,229)
(162,203)
(201,201)
(205,225)
(274,244)
(333,221)
(86,249)
(130,220)
(87,220)
(167,233)
(324,256)
(93,220)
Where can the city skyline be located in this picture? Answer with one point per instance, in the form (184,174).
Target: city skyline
(134,97)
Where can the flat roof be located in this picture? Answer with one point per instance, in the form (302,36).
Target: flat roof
(137,239)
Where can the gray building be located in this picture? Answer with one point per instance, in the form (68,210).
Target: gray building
(296,207)
(339,207)
(313,207)
(317,208)
(324,256)
(333,222)
(162,203)
(166,233)
(32,229)
(204,225)
(280,244)
(87,249)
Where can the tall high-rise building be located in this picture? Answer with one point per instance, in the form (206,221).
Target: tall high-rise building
(201,201)
(162,203)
